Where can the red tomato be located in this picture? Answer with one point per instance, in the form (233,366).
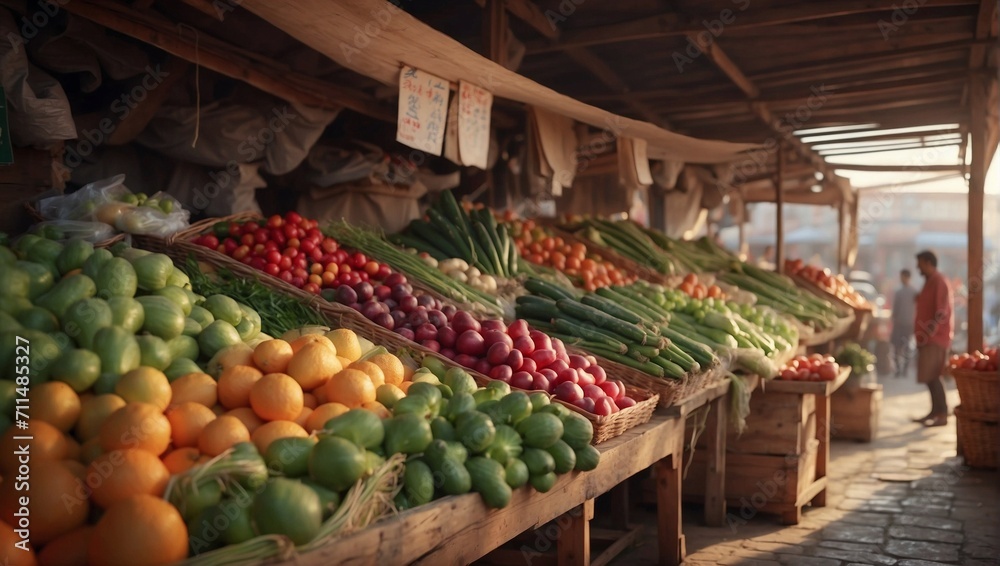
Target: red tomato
(258,263)
(299,272)
(272,269)
(802,374)
(230,245)
(210,241)
(285,275)
(358,260)
(293,217)
(982,365)
(383,272)
(247,239)
(316,254)
(259,250)
(828,371)
(371,268)
(285,263)
(788,374)
(344,278)
(301,261)
(968,363)
(345,268)
(311,288)
(241,252)
(221,249)
(307,245)
(293,243)
(329,245)
(261,235)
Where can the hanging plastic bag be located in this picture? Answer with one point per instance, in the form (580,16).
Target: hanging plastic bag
(160,215)
(63,230)
(85,203)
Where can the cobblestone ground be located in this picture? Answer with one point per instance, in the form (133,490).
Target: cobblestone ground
(937,512)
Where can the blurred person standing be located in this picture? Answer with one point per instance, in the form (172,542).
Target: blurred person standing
(904,312)
(933,329)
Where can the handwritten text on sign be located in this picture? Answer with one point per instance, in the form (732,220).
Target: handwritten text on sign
(423,107)
(474,106)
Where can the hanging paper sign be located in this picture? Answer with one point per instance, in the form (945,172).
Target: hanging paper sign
(474,105)
(451,133)
(423,108)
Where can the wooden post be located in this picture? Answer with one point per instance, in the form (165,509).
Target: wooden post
(668,510)
(840,237)
(574,540)
(495,31)
(823,434)
(977,183)
(715,481)
(779,243)
(742,251)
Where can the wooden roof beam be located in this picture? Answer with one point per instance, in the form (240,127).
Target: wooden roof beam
(666,25)
(530,14)
(586,59)
(899,168)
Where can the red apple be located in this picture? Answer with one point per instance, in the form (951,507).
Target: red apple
(568,391)
(587,404)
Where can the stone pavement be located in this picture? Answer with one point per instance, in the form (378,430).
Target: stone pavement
(936,512)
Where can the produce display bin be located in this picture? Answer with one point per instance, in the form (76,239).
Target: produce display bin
(854,412)
(778,465)
(979,390)
(978,438)
(862,315)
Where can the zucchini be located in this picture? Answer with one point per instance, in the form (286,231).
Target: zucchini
(449,232)
(581,330)
(544,288)
(413,241)
(492,258)
(426,232)
(453,211)
(645,367)
(611,308)
(600,318)
(670,369)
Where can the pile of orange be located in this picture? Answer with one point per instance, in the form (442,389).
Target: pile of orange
(117,451)
(575,260)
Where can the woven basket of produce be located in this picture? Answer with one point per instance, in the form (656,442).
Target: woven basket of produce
(979,390)
(978,437)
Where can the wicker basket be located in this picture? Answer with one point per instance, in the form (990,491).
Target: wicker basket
(979,390)
(978,438)
(669,390)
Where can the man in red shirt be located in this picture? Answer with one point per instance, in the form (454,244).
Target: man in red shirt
(933,331)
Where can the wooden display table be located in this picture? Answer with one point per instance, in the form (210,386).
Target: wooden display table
(461,529)
(854,412)
(779,463)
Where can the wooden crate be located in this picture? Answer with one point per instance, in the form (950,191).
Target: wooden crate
(757,483)
(854,413)
(779,424)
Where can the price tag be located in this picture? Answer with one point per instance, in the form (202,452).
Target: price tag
(423,108)
(474,105)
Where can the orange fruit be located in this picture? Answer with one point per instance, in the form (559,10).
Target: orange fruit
(374,372)
(187,420)
(69,549)
(344,362)
(72,448)
(55,403)
(247,417)
(269,432)
(276,397)
(58,502)
(10,554)
(136,425)
(235,384)
(93,411)
(90,450)
(320,395)
(301,341)
(141,530)
(221,434)
(303,417)
(346,342)
(350,387)
(195,387)
(120,474)
(46,443)
(309,400)
(321,414)
(392,368)
(238,354)
(313,365)
(76,467)
(145,385)
(377,408)
(182,460)
(272,356)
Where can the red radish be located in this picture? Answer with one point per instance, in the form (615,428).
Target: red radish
(587,404)
(591,359)
(399,292)
(551,375)
(621,389)
(515,359)
(568,391)
(493,324)
(405,333)
(447,336)
(406,302)
(463,321)
(610,389)
(558,365)
(466,360)
(449,311)
(382,292)
(372,309)
(543,357)
(470,342)
(398,317)
(540,383)
(448,353)
(625,402)
(384,320)
(603,407)
(498,353)
(392,280)
(482,366)
(417,317)
(437,318)
(560,349)
(521,380)
(432,345)
(614,406)
(427,301)
(541,340)
(524,344)
(568,374)
(529,365)
(492,337)
(503,373)
(578,361)
(593,391)
(426,332)
(598,372)
(518,329)
(585,378)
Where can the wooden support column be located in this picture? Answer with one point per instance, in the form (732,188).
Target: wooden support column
(574,540)
(715,481)
(823,434)
(742,230)
(668,510)
(840,237)
(495,31)
(779,243)
(977,184)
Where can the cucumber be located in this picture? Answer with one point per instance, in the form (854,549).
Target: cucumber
(603,320)
(546,289)
(611,308)
(591,334)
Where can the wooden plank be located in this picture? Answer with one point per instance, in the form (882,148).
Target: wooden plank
(529,13)
(854,413)
(823,451)
(609,77)
(723,62)
(686,406)
(825,388)
(221,57)
(778,424)
(430,534)
(574,539)
(984,24)
(899,168)
(715,481)
(668,510)
(622,540)
(977,185)
(495,30)
(206,7)
(779,212)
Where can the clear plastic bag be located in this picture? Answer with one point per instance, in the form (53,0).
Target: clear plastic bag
(152,218)
(84,203)
(63,230)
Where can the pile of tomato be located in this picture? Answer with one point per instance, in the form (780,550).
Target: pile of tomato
(293,249)
(695,289)
(814,367)
(574,260)
(980,360)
